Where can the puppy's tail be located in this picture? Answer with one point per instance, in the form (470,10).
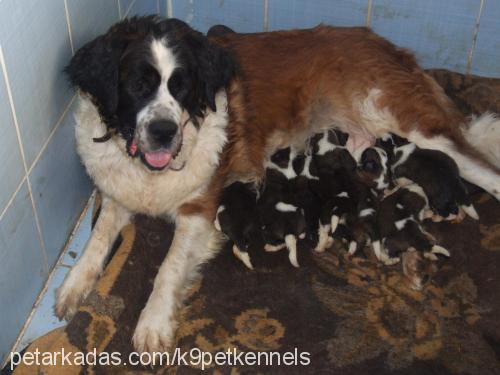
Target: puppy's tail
(483,133)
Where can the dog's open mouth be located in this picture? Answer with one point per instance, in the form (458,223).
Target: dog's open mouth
(158,159)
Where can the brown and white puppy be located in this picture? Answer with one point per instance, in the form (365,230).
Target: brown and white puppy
(145,77)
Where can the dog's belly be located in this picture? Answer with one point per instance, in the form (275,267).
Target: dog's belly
(361,118)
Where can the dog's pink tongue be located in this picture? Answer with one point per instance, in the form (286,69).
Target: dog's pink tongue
(158,159)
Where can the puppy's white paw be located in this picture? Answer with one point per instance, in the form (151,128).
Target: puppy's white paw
(272,248)
(220,108)
(154,331)
(221,101)
(76,286)
(323,238)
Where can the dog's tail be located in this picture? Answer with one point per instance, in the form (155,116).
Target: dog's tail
(483,133)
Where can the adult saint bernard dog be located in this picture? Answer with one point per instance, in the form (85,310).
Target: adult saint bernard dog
(158,136)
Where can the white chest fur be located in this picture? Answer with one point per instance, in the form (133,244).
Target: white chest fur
(127,181)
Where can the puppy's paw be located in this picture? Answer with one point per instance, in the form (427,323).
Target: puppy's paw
(154,331)
(220,108)
(221,101)
(75,288)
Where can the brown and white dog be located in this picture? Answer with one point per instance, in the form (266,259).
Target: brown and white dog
(155,135)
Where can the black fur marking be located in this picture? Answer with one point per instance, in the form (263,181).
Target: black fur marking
(117,71)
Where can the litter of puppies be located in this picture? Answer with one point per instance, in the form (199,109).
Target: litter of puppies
(377,202)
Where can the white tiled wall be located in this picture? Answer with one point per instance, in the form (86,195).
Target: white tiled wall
(43,186)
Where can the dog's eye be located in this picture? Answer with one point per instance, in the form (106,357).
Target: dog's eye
(138,85)
(143,83)
(177,84)
(369,165)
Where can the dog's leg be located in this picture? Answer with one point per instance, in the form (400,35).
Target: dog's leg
(243,256)
(291,244)
(273,248)
(473,170)
(323,234)
(195,242)
(80,280)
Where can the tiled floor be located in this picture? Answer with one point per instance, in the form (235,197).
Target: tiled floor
(42,320)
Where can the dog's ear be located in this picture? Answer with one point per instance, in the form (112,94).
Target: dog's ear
(211,68)
(94,69)
(221,67)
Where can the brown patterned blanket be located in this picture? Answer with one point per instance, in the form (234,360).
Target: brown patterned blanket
(349,316)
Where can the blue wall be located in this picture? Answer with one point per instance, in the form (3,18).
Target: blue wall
(441,33)
(43,186)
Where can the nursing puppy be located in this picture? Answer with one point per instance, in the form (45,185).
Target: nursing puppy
(373,169)
(398,219)
(439,177)
(303,186)
(282,215)
(370,183)
(238,218)
(335,170)
(152,95)
(361,225)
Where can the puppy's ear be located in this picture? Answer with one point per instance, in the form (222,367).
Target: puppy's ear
(94,69)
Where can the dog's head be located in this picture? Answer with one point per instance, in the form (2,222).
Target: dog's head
(143,74)
(373,168)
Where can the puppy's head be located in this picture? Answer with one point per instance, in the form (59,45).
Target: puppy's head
(280,165)
(143,74)
(389,142)
(373,168)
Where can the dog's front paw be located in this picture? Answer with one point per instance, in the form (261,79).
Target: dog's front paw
(154,331)
(76,286)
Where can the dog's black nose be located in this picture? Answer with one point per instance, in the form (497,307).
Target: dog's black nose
(162,131)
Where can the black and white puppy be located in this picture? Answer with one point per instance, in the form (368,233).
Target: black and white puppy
(373,169)
(283,220)
(303,188)
(238,218)
(361,224)
(439,177)
(336,170)
(398,220)
(434,171)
